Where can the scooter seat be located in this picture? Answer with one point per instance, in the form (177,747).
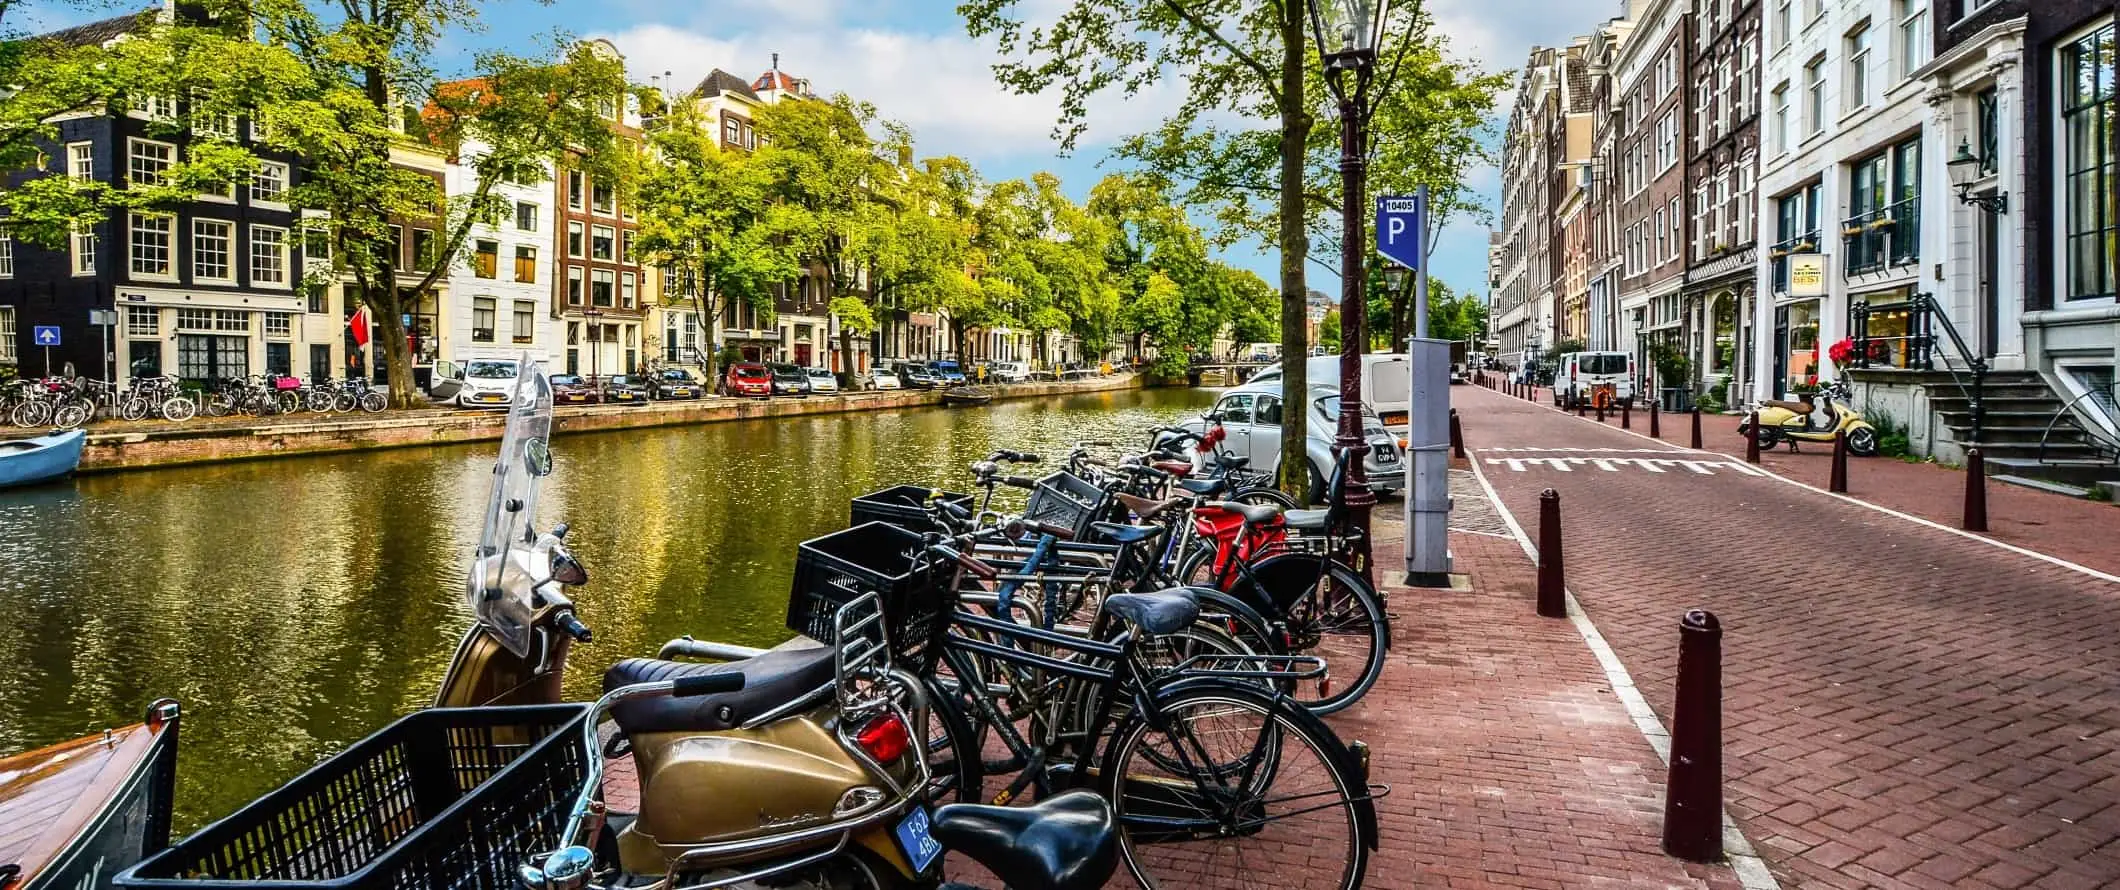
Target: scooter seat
(770,680)
(1798,407)
(1065,842)
(1201,487)
(1305,520)
(1156,614)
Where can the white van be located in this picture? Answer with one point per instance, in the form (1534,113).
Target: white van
(1581,376)
(1387,384)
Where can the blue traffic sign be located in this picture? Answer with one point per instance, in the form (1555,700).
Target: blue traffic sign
(1401,224)
(45,335)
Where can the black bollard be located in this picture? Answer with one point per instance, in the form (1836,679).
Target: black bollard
(1656,427)
(1838,481)
(1600,410)
(1580,405)
(1752,438)
(1696,428)
(1975,492)
(1693,787)
(1552,585)
(1457,436)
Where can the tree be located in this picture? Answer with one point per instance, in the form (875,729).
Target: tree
(1329,330)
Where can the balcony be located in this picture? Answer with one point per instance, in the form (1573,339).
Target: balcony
(1779,253)
(1887,237)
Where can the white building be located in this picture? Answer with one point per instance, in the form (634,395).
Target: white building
(499,301)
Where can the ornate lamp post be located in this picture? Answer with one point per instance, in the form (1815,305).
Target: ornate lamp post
(1348,32)
(1967,169)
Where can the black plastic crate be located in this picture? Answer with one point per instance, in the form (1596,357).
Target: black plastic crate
(1068,501)
(903,505)
(879,558)
(442,799)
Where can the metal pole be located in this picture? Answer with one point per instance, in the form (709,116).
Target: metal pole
(1354,307)
(1693,786)
(1420,281)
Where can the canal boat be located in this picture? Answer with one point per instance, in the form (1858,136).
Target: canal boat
(75,814)
(40,458)
(966,395)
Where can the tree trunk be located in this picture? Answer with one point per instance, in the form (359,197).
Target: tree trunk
(846,359)
(382,302)
(1295,249)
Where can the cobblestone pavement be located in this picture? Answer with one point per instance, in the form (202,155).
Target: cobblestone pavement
(1903,706)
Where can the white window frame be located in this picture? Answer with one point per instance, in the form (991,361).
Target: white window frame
(227,237)
(492,310)
(577,187)
(1783,25)
(154,108)
(279,325)
(518,332)
(7,255)
(2058,219)
(628,290)
(133,158)
(81,160)
(1855,84)
(1912,31)
(169,246)
(1778,123)
(286,277)
(272,198)
(577,240)
(1814,98)
(7,334)
(143,321)
(81,252)
(532,216)
(607,235)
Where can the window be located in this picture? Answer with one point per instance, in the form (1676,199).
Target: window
(525,329)
(1814,95)
(625,247)
(81,160)
(424,249)
(7,335)
(602,199)
(316,246)
(600,287)
(607,108)
(574,189)
(482,310)
(1913,18)
(7,256)
(212,249)
(268,256)
(155,107)
(626,286)
(1664,78)
(279,324)
(269,184)
(148,161)
(1782,21)
(195,319)
(397,237)
(526,264)
(1813,10)
(83,248)
(526,216)
(231,321)
(486,259)
(1667,141)
(1858,80)
(2089,222)
(602,243)
(1986,122)
(1778,120)
(320,298)
(1661,245)
(732,133)
(574,285)
(575,245)
(150,242)
(143,321)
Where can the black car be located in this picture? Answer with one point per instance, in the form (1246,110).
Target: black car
(789,380)
(626,389)
(915,375)
(678,383)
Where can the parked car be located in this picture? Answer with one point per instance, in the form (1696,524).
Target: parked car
(1582,374)
(678,383)
(571,389)
(1009,372)
(478,383)
(626,389)
(1387,385)
(789,380)
(882,378)
(822,380)
(916,375)
(1251,416)
(950,373)
(747,379)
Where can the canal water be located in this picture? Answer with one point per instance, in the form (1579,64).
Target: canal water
(294,606)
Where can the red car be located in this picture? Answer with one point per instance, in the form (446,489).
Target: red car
(571,389)
(747,379)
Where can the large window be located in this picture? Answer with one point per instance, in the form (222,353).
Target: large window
(602,199)
(268,256)
(1858,80)
(7,335)
(1884,208)
(1782,22)
(1667,141)
(486,258)
(526,216)
(603,243)
(151,237)
(1913,18)
(143,321)
(269,184)
(574,189)
(1796,229)
(425,249)
(482,311)
(601,284)
(1778,124)
(1814,95)
(2088,221)
(526,264)
(81,160)
(574,285)
(626,287)
(577,245)
(147,161)
(525,321)
(212,244)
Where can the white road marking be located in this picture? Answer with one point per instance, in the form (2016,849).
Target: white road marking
(1616,464)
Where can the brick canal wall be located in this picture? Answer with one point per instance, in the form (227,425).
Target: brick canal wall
(169,445)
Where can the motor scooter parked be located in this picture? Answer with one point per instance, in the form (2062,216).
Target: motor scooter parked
(1825,415)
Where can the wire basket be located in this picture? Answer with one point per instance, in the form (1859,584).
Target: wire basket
(879,558)
(442,799)
(1068,501)
(903,505)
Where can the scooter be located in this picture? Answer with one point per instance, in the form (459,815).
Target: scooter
(1818,420)
(803,766)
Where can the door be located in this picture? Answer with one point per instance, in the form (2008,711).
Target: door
(1235,411)
(1990,306)
(448,380)
(1266,432)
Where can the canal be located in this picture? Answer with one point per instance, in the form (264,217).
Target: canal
(294,606)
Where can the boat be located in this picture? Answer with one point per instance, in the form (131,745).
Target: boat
(40,458)
(966,395)
(74,814)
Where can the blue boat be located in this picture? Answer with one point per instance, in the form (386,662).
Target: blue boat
(40,459)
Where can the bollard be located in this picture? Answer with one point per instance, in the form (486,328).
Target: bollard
(1693,787)
(1580,407)
(1838,481)
(1552,586)
(1752,438)
(1457,436)
(1600,410)
(1626,415)
(1696,427)
(1975,492)
(1656,427)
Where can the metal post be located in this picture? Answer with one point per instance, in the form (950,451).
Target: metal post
(1838,480)
(1353,309)
(1431,430)
(1975,492)
(1457,436)
(1626,415)
(1696,427)
(1751,438)
(1693,789)
(1656,426)
(1552,581)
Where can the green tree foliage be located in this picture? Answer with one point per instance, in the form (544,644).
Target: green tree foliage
(1173,295)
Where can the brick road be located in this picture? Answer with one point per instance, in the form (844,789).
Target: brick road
(1903,707)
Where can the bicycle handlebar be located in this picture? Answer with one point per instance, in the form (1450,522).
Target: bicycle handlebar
(1024,482)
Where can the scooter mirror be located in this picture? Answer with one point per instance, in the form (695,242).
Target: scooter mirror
(564,869)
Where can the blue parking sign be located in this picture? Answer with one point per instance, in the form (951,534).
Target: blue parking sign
(45,335)
(1400,228)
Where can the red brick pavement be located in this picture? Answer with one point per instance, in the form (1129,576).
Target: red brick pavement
(1904,707)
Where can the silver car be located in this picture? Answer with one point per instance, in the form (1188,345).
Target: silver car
(822,380)
(1251,416)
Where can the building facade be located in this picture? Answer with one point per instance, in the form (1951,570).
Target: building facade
(1722,173)
(597,291)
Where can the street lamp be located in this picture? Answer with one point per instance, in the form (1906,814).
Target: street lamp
(1348,33)
(1965,169)
(596,342)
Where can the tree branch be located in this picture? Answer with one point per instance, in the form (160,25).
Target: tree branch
(1266,75)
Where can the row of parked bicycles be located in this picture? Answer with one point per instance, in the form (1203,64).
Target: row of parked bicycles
(70,403)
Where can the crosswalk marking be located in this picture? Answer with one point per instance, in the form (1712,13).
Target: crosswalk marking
(1616,464)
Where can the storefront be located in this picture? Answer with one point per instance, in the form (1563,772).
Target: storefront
(1796,343)
(1886,321)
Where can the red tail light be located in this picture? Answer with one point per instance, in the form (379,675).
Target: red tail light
(885,738)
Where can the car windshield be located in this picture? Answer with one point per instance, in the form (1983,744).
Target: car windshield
(748,371)
(565,380)
(1331,406)
(677,376)
(946,367)
(1604,363)
(787,371)
(622,380)
(820,372)
(490,370)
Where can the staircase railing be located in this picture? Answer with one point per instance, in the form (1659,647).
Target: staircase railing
(2102,442)
(1924,316)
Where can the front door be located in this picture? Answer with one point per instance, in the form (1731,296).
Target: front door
(1990,304)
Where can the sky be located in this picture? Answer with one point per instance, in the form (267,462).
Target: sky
(913,60)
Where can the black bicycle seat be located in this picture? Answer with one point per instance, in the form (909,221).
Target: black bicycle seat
(1201,487)
(1255,514)
(1065,842)
(1156,614)
(1124,534)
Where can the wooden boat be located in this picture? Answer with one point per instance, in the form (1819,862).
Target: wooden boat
(40,458)
(966,395)
(75,814)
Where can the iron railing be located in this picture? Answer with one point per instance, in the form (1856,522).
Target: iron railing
(1924,318)
(2104,444)
(1884,237)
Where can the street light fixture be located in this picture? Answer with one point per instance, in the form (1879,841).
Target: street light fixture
(596,343)
(1348,34)
(1965,169)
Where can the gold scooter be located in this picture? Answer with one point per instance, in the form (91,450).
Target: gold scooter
(1818,420)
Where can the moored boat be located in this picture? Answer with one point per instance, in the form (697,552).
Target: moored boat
(40,458)
(74,814)
(966,395)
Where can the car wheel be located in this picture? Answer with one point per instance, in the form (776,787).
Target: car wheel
(1314,489)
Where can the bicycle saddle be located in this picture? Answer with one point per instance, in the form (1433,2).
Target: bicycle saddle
(1145,508)
(1123,534)
(770,680)
(1307,520)
(1254,514)
(1201,487)
(1065,842)
(1156,614)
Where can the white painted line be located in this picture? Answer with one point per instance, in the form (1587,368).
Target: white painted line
(1752,872)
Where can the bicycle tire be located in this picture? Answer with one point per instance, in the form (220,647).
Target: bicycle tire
(956,768)
(343,402)
(135,408)
(30,414)
(179,408)
(1291,751)
(287,402)
(1078,708)
(70,416)
(320,400)
(373,402)
(1352,627)
(1262,496)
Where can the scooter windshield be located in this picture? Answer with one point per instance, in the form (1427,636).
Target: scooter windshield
(508,537)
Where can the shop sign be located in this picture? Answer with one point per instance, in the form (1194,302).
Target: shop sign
(1807,275)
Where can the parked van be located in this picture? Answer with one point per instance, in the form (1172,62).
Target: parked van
(1586,378)
(1387,385)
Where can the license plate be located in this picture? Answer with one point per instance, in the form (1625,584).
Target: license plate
(489,398)
(1393,418)
(913,838)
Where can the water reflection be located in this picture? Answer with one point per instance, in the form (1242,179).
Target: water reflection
(294,606)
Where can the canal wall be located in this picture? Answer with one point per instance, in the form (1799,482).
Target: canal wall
(170,445)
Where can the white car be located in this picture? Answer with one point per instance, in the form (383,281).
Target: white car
(1251,417)
(822,380)
(882,378)
(1008,372)
(478,383)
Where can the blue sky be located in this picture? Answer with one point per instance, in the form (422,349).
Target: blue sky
(912,59)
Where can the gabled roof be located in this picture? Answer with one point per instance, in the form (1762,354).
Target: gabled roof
(776,80)
(719,82)
(99,33)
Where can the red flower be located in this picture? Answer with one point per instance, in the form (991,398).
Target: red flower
(1842,350)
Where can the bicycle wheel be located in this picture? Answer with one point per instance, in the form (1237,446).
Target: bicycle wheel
(320,400)
(135,408)
(1291,803)
(70,416)
(1203,638)
(1262,496)
(33,413)
(344,401)
(287,401)
(219,404)
(1328,611)
(956,772)
(179,408)
(373,402)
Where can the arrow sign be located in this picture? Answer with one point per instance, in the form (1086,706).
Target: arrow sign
(1400,229)
(45,335)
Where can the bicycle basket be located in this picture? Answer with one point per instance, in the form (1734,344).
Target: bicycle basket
(879,558)
(902,505)
(1069,501)
(442,799)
